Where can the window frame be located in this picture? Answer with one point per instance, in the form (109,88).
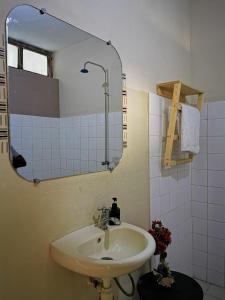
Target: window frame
(22,45)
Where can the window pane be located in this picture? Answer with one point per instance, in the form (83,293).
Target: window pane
(35,62)
(12,55)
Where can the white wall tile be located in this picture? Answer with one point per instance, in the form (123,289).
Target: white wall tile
(203,128)
(216,144)
(216,229)
(83,121)
(155,125)
(100,131)
(92,166)
(216,263)
(84,155)
(199,193)
(16,132)
(203,144)
(164,204)
(168,183)
(92,120)
(216,212)
(216,246)
(216,195)
(216,127)
(199,210)
(92,155)
(200,272)
(199,177)
(177,198)
(92,132)
(155,145)
(84,166)
(200,242)
(26,121)
(200,161)
(216,110)
(204,112)
(15,120)
(199,226)
(155,169)
(155,104)
(187,207)
(155,208)
(199,258)
(100,119)
(216,161)
(216,178)
(84,131)
(154,187)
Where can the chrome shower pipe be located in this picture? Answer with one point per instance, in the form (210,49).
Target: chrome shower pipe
(106,93)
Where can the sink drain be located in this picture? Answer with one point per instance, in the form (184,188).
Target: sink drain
(106,258)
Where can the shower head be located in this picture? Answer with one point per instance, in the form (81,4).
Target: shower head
(84,70)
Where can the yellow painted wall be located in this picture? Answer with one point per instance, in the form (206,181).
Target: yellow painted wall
(31,217)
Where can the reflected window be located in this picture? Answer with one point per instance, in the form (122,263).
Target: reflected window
(12,55)
(35,62)
(29,58)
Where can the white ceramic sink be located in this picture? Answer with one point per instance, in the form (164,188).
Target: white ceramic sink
(106,254)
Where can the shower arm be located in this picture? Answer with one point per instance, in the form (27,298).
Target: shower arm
(100,66)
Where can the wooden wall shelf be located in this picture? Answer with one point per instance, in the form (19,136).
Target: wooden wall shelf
(177,92)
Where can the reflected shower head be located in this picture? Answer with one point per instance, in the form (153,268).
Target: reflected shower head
(84,70)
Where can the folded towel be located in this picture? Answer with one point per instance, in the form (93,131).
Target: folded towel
(190,128)
(177,126)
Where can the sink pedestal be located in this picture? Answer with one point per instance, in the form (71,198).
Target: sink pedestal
(106,290)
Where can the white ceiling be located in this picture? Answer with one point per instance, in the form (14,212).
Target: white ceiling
(26,24)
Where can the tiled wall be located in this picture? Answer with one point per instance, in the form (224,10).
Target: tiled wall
(36,139)
(56,147)
(170,191)
(208,197)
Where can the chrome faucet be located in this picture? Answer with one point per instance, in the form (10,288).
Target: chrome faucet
(103,218)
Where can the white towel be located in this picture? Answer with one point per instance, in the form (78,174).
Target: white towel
(190,128)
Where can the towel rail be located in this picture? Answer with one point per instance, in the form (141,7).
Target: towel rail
(177,92)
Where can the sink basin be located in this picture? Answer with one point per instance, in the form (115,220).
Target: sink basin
(106,254)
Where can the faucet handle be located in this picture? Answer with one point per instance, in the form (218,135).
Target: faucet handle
(104,212)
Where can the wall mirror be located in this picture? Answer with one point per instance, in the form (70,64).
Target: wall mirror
(64,97)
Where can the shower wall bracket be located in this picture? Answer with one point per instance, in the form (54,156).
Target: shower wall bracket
(177,92)
(3,99)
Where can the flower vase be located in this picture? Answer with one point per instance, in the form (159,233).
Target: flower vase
(163,274)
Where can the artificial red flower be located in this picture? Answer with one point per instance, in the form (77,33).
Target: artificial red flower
(162,236)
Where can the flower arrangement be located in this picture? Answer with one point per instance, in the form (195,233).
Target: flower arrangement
(162,236)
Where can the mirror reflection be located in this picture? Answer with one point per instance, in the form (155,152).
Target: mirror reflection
(64,97)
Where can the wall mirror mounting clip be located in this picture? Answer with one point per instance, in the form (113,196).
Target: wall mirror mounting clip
(43,11)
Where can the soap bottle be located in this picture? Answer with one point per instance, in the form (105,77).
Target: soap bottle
(115,210)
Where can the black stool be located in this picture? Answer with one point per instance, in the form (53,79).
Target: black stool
(184,288)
